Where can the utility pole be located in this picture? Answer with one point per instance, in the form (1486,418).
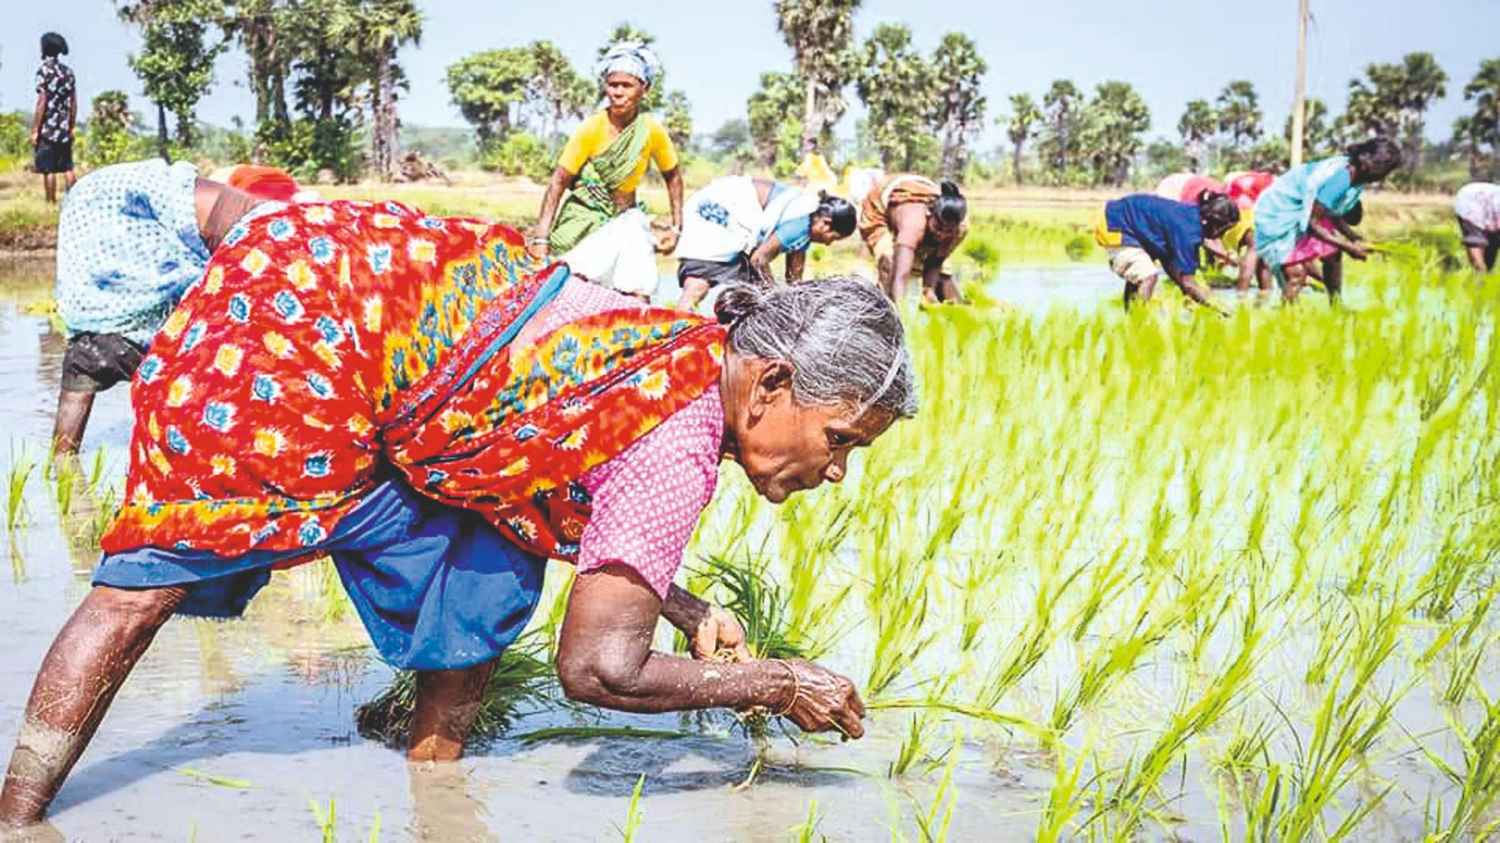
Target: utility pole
(1299,98)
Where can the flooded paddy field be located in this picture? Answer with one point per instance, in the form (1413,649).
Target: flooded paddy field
(1159,577)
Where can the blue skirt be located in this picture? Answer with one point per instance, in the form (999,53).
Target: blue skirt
(437,588)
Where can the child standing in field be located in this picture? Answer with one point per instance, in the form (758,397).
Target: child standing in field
(56,114)
(1142,229)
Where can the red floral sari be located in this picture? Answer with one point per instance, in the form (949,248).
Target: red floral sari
(329,345)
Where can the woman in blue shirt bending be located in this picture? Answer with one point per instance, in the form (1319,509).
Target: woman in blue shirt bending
(1143,230)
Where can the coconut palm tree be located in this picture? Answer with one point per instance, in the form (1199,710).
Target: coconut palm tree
(1024,115)
(1197,126)
(821,35)
(380,29)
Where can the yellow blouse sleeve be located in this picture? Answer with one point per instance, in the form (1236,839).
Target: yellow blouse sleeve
(663,152)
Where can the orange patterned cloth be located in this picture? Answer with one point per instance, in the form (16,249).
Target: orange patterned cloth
(329,345)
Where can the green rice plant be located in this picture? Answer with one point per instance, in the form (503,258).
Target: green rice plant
(522,676)
(22,464)
(1116,657)
(634,813)
(327,820)
(1065,800)
(760,602)
(216,780)
(1478,783)
(1035,639)
(807,832)
(66,477)
(1192,717)
(934,823)
(1345,726)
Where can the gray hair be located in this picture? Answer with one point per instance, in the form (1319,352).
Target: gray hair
(841,336)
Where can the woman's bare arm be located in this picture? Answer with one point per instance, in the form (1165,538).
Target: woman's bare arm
(561,180)
(604,658)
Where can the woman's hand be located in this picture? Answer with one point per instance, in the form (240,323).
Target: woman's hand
(709,629)
(537,246)
(666,242)
(717,632)
(822,701)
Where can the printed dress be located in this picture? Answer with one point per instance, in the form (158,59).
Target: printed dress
(341,382)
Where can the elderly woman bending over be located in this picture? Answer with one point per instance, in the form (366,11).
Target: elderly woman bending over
(396,391)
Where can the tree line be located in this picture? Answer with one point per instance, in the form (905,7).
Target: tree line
(1095,141)
(327,80)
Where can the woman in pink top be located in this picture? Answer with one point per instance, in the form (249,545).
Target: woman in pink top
(405,394)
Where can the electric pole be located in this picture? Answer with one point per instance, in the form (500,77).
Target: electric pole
(1299,98)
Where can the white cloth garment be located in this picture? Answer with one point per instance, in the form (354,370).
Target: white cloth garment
(620,256)
(725,219)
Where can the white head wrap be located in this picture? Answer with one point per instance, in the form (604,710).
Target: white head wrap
(632,57)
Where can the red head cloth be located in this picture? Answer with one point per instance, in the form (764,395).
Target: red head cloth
(264,182)
(1245,188)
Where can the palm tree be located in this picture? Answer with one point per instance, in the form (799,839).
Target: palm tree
(382,28)
(1239,113)
(1483,126)
(1422,81)
(1197,126)
(1063,102)
(959,107)
(821,35)
(1024,115)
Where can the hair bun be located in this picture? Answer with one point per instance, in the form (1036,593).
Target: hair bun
(950,189)
(736,302)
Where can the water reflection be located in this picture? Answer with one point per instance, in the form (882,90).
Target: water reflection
(443,804)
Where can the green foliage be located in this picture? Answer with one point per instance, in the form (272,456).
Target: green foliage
(1197,125)
(1019,127)
(677,119)
(489,86)
(821,36)
(1116,118)
(896,84)
(774,122)
(958,105)
(176,61)
(109,139)
(1478,133)
(1240,118)
(520,154)
(307,147)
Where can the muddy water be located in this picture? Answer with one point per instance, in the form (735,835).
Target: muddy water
(231,730)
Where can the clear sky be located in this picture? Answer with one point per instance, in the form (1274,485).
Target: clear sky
(1171,50)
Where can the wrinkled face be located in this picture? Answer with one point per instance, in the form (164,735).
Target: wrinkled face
(785,447)
(822,230)
(623,92)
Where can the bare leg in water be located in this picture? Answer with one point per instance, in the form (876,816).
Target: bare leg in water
(73,410)
(95,652)
(447,703)
(85,667)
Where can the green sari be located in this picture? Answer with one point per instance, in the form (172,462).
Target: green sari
(591,202)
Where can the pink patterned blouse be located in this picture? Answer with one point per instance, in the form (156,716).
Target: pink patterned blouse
(647,500)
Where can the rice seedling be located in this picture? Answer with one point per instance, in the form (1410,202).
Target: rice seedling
(214,779)
(523,676)
(327,820)
(807,832)
(935,822)
(22,464)
(634,814)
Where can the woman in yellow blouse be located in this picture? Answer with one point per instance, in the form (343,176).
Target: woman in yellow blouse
(604,161)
